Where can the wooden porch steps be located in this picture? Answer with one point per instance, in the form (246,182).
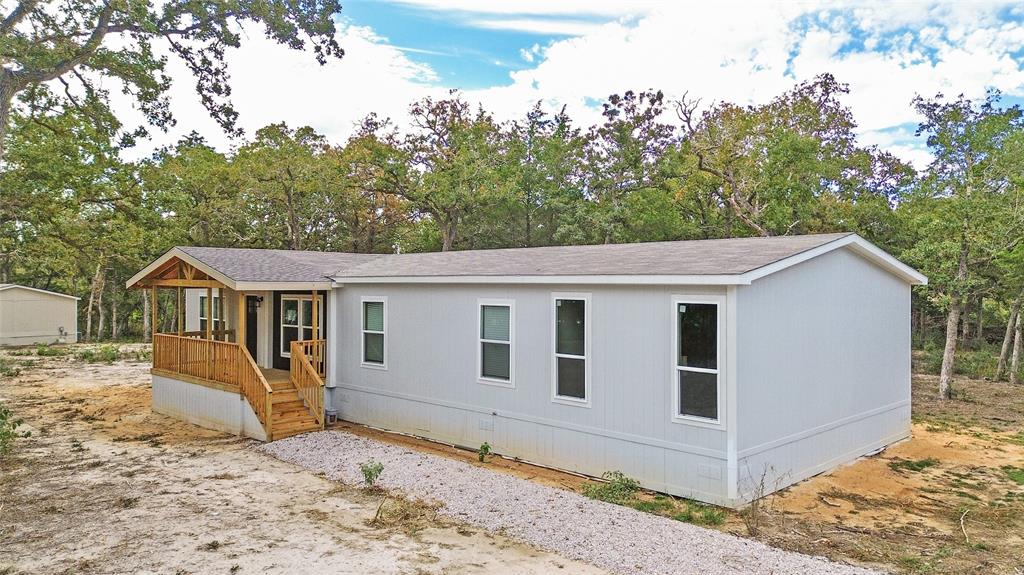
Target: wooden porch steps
(291,415)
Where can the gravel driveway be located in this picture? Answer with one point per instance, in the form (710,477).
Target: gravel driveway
(616,538)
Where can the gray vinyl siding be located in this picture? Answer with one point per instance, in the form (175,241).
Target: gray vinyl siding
(823,367)
(430,386)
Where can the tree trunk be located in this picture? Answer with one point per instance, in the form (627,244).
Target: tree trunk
(1015,362)
(93,295)
(979,335)
(6,99)
(949,352)
(448,231)
(101,326)
(953,321)
(115,327)
(965,323)
(1008,338)
(146,330)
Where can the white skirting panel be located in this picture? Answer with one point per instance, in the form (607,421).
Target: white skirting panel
(206,407)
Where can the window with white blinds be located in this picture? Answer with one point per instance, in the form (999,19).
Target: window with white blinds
(495,343)
(374,323)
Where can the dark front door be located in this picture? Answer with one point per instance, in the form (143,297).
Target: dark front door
(251,323)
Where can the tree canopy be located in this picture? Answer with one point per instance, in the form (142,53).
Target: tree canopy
(77,217)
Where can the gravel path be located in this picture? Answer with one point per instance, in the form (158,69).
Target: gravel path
(616,538)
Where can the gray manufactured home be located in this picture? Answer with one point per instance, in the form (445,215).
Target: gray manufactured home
(702,368)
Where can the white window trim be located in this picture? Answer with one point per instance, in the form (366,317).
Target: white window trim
(677,417)
(298,297)
(383,366)
(202,312)
(587,357)
(511,305)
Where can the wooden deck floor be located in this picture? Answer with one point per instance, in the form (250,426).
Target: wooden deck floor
(275,375)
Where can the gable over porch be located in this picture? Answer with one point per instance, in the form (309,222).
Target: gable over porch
(207,331)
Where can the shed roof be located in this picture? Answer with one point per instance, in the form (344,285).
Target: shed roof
(37,290)
(721,261)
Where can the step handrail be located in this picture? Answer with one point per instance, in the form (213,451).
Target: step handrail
(257,391)
(306,378)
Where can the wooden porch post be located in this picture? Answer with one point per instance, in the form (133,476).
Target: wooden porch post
(220,314)
(316,316)
(209,313)
(181,313)
(242,308)
(153,310)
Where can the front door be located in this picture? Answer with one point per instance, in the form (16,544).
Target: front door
(252,307)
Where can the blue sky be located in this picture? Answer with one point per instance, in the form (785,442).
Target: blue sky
(463,55)
(574,53)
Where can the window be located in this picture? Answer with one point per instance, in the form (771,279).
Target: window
(373,327)
(495,345)
(572,319)
(296,320)
(216,314)
(696,361)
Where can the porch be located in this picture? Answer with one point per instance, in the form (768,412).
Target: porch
(198,370)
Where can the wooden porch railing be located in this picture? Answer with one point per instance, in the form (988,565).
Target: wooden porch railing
(217,361)
(307,373)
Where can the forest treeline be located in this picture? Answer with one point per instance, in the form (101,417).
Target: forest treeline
(78,218)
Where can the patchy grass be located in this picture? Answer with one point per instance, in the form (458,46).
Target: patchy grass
(913,465)
(8,368)
(51,351)
(104,354)
(623,490)
(1016,474)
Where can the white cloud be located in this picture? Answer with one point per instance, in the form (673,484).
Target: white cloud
(744,53)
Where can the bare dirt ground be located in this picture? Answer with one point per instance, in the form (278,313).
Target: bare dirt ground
(104,485)
(948,501)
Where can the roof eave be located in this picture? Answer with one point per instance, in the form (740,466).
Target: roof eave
(719,279)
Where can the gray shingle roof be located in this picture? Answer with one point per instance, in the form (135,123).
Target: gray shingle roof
(694,257)
(254,265)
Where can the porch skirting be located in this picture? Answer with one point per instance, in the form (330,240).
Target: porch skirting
(206,406)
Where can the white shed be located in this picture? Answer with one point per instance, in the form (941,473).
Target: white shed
(30,316)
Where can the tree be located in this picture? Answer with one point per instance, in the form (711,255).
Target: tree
(967,209)
(453,163)
(83,45)
(621,159)
(792,165)
(542,165)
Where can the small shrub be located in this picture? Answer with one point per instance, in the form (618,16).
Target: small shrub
(618,488)
(483,452)
(9,430)
(50,351)
(371,471)
(912,464)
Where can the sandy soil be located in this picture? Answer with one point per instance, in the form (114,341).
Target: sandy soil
(105,486)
